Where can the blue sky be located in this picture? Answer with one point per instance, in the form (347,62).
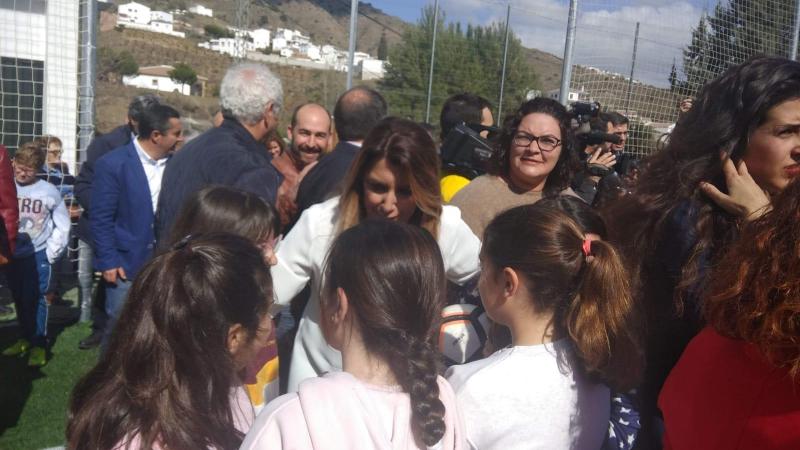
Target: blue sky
(605,33)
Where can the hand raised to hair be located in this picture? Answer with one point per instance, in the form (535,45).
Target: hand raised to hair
(745,199)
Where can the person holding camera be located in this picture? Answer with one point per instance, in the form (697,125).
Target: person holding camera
(604,163)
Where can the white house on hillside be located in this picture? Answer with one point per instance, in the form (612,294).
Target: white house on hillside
(372,69)
(157,78)
(133,13)
(260,38)
(201,10)
(140,17)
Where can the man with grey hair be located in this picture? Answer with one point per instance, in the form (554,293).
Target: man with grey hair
(120,136)
(232,154)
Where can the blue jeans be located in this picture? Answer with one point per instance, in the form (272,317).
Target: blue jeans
(116,293)
(28,280)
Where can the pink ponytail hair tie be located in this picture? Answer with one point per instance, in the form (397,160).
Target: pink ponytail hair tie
(587,247)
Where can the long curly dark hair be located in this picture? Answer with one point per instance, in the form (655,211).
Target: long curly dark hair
(560,177)
(167,375)
(720,123)
(755,290)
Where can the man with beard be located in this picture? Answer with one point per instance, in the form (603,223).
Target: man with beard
(310,133)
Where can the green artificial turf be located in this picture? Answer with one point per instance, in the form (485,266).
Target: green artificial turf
(34,402)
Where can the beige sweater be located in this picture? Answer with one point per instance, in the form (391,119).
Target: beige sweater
(486,197)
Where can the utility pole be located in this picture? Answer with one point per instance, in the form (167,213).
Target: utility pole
(433,59)
(633,66)
(505,57)
(352,48)
(569,44)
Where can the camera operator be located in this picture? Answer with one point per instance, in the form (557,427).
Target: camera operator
(600,158)
(459,114)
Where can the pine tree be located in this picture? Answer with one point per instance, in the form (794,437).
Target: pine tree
(673,78)
(383,47)
(734,32)
(466,61)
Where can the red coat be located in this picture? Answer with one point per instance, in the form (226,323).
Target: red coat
(8,206)
(723,394)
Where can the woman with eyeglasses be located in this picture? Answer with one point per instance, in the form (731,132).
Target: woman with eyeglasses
(532,160)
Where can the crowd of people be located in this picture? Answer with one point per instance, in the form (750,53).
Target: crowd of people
(262,293)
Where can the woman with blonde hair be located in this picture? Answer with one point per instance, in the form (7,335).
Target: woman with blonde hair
(395,176)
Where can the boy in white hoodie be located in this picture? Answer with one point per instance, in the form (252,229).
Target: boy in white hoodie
(43,234)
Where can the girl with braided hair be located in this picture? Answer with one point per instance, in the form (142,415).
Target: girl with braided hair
(383,292)
(565,296)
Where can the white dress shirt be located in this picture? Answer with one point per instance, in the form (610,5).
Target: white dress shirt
(153,170)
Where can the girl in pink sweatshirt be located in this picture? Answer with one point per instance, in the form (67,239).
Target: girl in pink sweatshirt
(383,292)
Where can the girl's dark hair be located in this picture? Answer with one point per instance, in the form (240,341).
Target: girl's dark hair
(222,208)
(561,176)
(721,120)
(167,374)
(589,297)
(588,220)
(397,294)
(755,290)
(407,148)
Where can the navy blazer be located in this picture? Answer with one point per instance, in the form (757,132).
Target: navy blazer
(122,212)
(99,147)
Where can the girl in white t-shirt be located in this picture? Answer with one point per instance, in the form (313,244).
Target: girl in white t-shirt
(566,298)
(384,288)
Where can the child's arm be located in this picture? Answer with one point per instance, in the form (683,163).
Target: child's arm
(60,237)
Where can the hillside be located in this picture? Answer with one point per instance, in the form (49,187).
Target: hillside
(325,21)
(299,85)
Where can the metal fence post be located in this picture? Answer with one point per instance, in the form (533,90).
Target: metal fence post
(566,70)
(352,48)
(633,66)
(87,78)
(505,57)
(433,60)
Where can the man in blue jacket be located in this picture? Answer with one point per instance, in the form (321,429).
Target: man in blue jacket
(127,185)
(232,154)
(99,147)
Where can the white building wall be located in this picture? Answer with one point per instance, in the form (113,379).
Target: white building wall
(372,69)
(260,38)
(164,84)
(201,10)
(54,39)
(133,13)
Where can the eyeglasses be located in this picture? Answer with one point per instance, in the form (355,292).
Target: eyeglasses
(546,143)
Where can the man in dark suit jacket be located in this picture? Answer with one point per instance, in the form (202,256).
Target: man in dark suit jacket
(127,186)
(99,146)
(356,112)
(232,154)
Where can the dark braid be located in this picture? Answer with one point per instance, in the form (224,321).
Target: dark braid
(396,296)
(416,368)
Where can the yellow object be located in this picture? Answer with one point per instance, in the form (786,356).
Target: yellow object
(451,184)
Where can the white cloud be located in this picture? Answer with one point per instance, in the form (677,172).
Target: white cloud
(605,30)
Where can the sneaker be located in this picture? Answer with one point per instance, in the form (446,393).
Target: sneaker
(38,357)
(19,348)
(92,341)
(7,313)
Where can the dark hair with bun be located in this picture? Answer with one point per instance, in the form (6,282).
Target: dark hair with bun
(396,295)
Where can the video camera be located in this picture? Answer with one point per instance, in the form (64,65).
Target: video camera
(465,152)
(582,115)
